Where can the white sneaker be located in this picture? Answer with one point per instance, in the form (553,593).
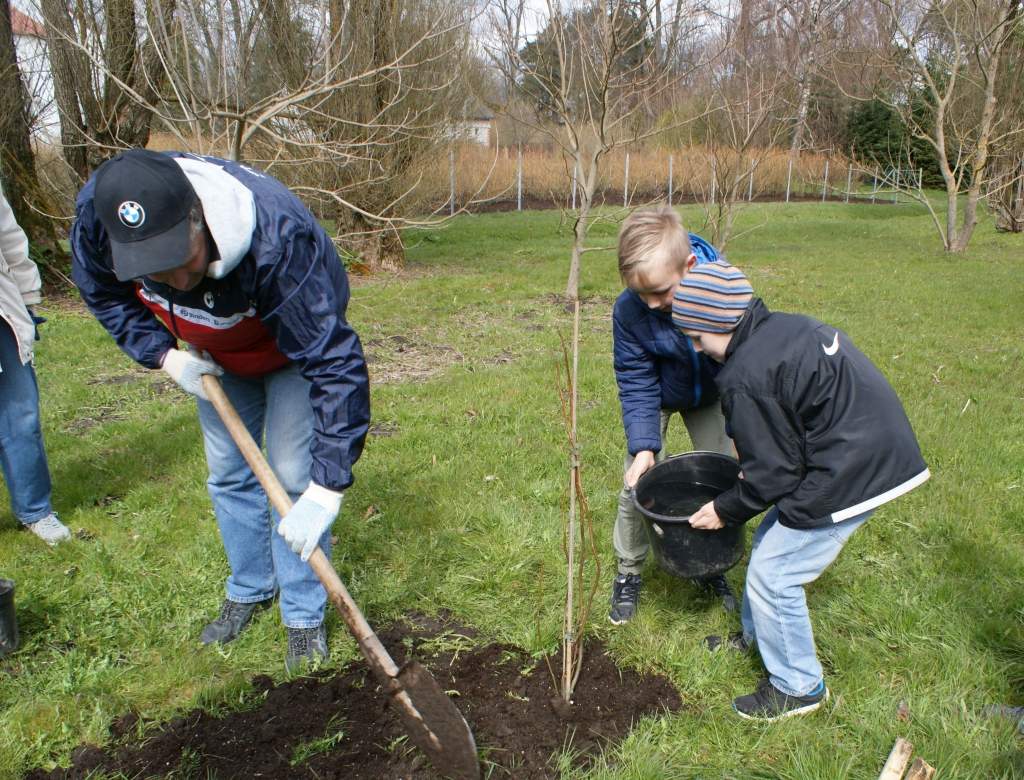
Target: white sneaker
(50,529)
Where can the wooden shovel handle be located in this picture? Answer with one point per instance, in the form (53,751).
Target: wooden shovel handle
(376,654)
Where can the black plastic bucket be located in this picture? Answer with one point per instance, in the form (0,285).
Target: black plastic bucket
(673,490)
(8,620)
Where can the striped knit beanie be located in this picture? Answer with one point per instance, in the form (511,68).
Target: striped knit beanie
(711,298)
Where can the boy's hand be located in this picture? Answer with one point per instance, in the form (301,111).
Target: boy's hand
(641,463)
(706,518)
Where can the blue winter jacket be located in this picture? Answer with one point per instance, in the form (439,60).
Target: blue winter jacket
(655,365)
(279,266)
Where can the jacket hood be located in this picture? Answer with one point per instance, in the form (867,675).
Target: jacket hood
(752,317)
(229,211)
(703,250)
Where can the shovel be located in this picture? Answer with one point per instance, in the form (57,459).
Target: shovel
(433,722)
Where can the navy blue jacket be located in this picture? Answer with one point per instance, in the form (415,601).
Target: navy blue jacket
(656,367)
(276,266)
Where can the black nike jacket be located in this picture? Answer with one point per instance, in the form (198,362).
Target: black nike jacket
(820,432)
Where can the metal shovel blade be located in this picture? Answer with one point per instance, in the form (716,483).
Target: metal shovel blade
(435,725)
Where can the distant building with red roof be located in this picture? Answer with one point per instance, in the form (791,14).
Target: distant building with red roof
(22,24)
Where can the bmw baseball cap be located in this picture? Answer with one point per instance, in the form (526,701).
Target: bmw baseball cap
(143,199)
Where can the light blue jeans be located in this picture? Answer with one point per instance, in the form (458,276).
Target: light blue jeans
(22,456)
(262,563)
(774,614)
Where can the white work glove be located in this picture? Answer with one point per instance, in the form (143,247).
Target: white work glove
(187,369)
(311,515)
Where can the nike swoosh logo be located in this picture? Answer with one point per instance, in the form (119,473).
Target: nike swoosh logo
(833,348)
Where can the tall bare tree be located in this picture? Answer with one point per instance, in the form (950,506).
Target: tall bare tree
(106,74)
(345,100)
(745,122)
(941,74)
(809,33)
(596,76)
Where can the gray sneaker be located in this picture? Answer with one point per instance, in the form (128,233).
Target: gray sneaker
(625,595)
(769,704)
(234,617)
(50,529)
(305,646)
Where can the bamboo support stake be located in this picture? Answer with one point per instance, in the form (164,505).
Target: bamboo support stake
(824,184)
(898,759)
(569,639)
(849,181)
(789,178)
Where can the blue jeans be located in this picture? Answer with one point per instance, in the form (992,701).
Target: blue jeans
(774,613)
(22,456)
(261,561)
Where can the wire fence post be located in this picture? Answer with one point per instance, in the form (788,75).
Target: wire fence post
(750,184)
(714,179)
(519,179)
(789,178)
(625,184)
(849,181)
(920,178)
(824,184)
(896,187)
(451,180)
(670,180)
(575,177)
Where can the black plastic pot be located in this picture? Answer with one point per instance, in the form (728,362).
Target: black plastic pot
(8,620)
(673,490)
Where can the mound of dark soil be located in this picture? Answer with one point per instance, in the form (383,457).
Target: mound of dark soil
(341,727)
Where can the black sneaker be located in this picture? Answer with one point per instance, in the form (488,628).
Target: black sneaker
(734,641)
(625,595)
(769,704)
(305,646)
(234,617)
(719,585)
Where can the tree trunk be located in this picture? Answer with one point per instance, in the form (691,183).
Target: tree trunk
(378,246)
(979,163)
(128,124)
(17,161)
(803,106)
(70,70)
(92,124)
(379,249)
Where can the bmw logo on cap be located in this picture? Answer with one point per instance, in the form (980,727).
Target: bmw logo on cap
(131,214)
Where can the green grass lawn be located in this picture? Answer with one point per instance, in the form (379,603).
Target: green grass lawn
(468,493)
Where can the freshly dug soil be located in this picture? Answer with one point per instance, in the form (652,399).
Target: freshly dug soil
(341,726)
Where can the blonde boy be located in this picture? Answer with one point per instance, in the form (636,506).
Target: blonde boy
(658,374)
